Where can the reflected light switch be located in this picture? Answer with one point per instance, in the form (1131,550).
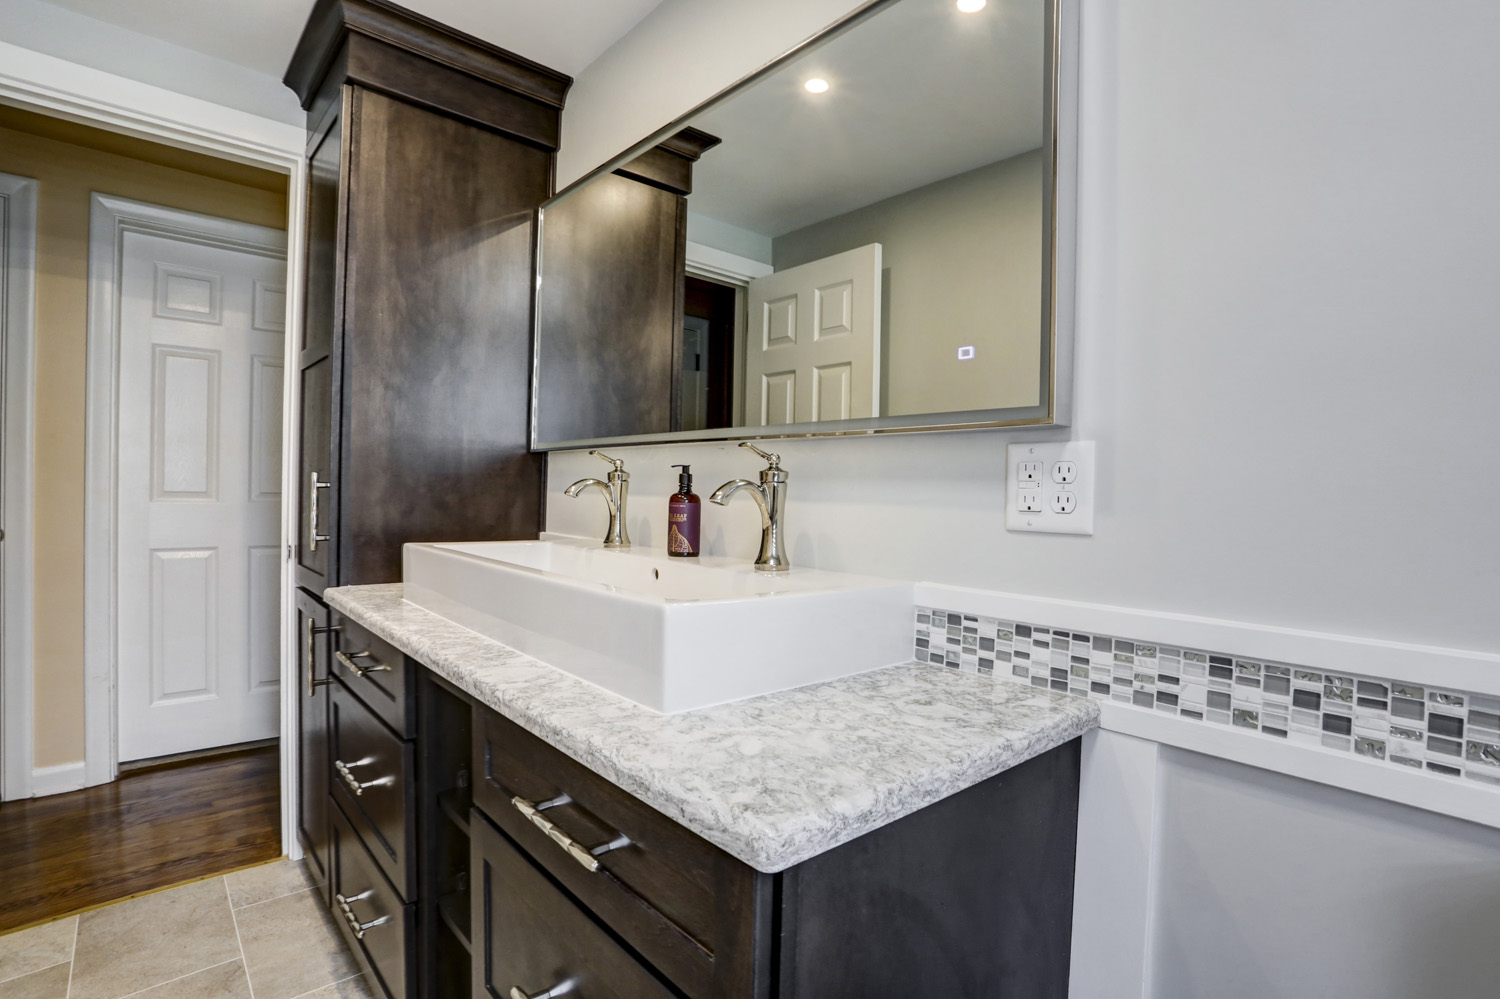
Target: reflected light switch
(966,353)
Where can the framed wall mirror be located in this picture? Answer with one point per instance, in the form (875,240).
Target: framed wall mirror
(873,234)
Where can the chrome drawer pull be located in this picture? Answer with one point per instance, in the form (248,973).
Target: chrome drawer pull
(312,683)
(352,782)
(556,990)
(346,660)
(313,537)
(589,858)
(355,926)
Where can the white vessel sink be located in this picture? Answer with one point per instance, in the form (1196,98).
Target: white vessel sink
(669,633)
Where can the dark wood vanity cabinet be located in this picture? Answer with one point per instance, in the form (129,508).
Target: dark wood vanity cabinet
(970,897)
(429,152)
(467,857)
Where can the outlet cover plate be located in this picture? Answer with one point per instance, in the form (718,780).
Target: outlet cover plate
(1081,485)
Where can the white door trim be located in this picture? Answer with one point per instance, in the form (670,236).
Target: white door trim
(111,219)
(18,197)
(59,87)
(724,267)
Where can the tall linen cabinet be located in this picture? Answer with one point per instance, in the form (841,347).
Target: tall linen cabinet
(428,154)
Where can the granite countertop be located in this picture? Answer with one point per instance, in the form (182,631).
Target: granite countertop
(772,780)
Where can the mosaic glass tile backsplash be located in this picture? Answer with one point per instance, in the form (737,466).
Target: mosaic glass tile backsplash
(1453,734)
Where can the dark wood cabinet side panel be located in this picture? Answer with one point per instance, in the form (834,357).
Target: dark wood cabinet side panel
(437,338)
(610,303)
(971,897)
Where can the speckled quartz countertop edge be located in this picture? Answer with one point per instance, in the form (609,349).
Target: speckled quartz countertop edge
(771,780)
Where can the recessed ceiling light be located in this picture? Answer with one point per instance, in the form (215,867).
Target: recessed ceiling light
(818,85)
(971,6)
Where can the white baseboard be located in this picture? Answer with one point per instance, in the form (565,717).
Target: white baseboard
(57,780)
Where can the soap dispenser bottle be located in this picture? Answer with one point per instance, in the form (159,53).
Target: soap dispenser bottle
(682,517)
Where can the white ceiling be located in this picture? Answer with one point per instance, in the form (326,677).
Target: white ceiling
(919,92)
(565,35)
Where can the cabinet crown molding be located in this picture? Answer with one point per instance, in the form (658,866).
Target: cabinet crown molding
(333,21)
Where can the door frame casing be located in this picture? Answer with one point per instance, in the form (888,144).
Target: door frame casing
(18,207)
(111,219)
(50,85)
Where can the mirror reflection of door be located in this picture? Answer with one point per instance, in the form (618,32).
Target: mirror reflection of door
(813,351)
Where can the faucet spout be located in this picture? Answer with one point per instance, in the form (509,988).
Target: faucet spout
(721,496)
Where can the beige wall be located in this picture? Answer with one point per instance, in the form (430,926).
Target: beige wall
(962,262)
(68,173)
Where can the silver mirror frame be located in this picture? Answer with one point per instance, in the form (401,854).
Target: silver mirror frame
(1059,250)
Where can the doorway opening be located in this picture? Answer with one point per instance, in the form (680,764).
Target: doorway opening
(157,398)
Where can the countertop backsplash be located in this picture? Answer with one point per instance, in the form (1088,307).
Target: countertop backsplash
(1448,734)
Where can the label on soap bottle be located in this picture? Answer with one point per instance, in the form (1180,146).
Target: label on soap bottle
(682,528)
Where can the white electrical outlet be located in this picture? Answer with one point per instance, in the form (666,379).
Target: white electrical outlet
(1049,488)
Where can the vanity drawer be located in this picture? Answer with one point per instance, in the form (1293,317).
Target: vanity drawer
(378,674)
(365,755)
(530,937)
(685,905)
(369,913)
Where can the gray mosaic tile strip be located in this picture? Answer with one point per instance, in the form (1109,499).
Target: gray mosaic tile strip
(1449,734)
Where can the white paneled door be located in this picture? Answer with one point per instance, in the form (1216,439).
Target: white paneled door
(201,330)
(813,343)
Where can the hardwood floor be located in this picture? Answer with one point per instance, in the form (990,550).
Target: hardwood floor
(149,829)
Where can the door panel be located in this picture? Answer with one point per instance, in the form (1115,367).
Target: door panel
(813,348)
(196,623)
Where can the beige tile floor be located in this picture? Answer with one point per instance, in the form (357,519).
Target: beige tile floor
(255,934)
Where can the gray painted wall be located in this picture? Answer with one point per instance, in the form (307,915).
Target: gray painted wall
(1271,887)
(962,266)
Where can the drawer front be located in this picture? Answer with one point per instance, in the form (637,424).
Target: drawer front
(371,773)
(531,938)
(378,674)
(670,894)
(369,913)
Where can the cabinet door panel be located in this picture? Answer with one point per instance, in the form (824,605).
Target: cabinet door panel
(312,733)
(323,317)
(531,937)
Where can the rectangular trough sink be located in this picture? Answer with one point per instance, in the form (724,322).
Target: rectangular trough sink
(669,633)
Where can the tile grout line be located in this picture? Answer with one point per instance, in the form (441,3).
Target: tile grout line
(244,961)
(73,955)
(330,985)
(179,978)
(273,898)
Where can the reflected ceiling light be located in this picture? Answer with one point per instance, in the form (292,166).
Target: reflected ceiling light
(971,6)
(818,85)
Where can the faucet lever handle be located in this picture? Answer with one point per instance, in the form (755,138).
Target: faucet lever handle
(619,463)
(773,459)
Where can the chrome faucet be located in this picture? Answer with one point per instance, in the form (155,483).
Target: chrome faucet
(770,496)
(615,494)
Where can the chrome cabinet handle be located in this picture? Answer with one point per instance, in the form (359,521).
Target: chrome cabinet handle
(556,990)
(352,782)
(347,912)
(313,537)
(346,659)
(312,683)
(589,858)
